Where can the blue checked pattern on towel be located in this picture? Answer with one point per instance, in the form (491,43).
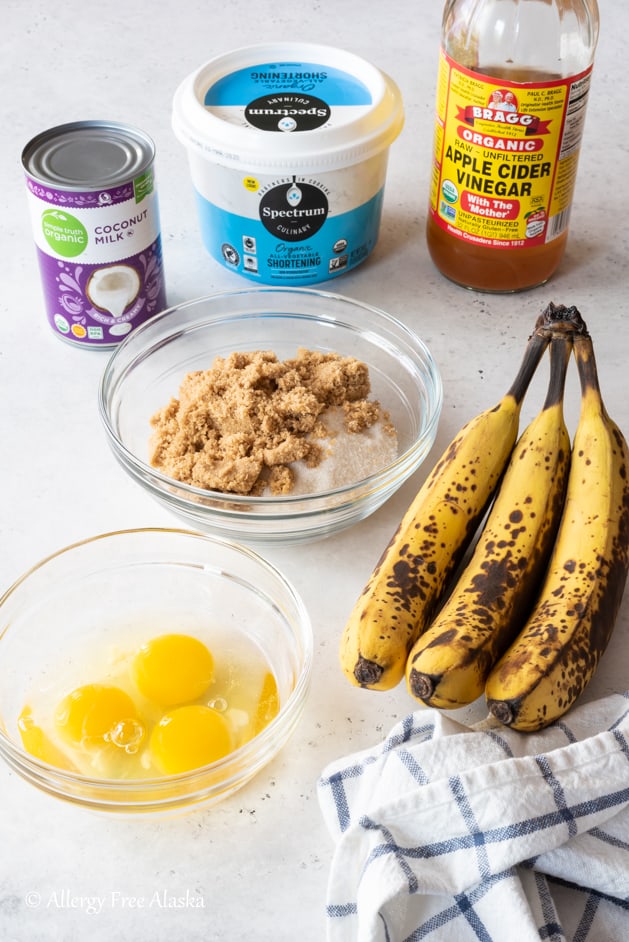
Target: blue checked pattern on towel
(447,833)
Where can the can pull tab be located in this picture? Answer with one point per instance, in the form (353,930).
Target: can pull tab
(294,194)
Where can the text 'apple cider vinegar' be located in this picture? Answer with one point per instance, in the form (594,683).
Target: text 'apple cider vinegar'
(513,84)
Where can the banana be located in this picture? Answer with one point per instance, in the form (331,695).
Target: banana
(541,675)
(413,571)
(448,665)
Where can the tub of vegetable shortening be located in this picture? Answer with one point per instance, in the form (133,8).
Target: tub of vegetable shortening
(288,146)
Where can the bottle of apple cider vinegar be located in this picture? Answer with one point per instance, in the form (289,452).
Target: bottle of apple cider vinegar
(512,91)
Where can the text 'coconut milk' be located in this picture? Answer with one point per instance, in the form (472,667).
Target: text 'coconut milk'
(94,213)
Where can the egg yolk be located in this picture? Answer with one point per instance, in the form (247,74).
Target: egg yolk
(35,741)
(173,669)
(268,704)
(92,714)
(188,738)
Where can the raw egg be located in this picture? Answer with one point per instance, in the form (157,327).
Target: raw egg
(189,737)
(268,704)
(163,706)
(173,669)
(35,741)
(91,715)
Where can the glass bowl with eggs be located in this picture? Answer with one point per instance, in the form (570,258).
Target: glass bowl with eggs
(271,416)
(159,670)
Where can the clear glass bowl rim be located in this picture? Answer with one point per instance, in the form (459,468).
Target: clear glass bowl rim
(281,503)
(249,757)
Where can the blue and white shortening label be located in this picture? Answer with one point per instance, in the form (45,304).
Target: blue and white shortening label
(290,227)
(293,229)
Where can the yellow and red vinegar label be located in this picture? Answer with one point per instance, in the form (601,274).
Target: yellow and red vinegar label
(505,156)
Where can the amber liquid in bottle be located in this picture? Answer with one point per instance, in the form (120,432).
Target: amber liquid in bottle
(476,266)
(520,42)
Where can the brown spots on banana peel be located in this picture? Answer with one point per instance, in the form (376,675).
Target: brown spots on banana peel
(412,574)
(570,629)
(449,663)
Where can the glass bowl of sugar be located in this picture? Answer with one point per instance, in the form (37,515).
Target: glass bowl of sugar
(271,416)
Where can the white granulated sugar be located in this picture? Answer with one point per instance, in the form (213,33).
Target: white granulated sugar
(351,456)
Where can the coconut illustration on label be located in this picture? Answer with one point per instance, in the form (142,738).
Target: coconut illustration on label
(95,220)
(287,147)
(113,289)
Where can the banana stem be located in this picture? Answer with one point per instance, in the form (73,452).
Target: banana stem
(537,343)
(558,317)
(586,366)
(560,352)
(554,322)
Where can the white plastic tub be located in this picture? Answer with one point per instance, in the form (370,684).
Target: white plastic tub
(287,147)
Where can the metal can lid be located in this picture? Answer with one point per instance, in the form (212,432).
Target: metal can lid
(88,155)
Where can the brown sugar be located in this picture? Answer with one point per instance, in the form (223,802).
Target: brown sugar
(240,426)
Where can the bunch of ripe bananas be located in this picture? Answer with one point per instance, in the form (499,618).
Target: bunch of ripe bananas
(528,616)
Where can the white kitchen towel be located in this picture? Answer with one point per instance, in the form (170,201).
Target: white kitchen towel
(447,833)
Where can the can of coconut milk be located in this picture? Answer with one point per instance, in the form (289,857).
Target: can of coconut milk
(95,219)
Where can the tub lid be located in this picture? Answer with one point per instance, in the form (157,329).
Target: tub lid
(287,106)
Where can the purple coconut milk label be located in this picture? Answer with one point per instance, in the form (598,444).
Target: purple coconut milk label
(100,258)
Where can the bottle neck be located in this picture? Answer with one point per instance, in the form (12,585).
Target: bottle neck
(525,40)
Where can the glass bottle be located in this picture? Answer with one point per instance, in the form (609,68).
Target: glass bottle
(512,91)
